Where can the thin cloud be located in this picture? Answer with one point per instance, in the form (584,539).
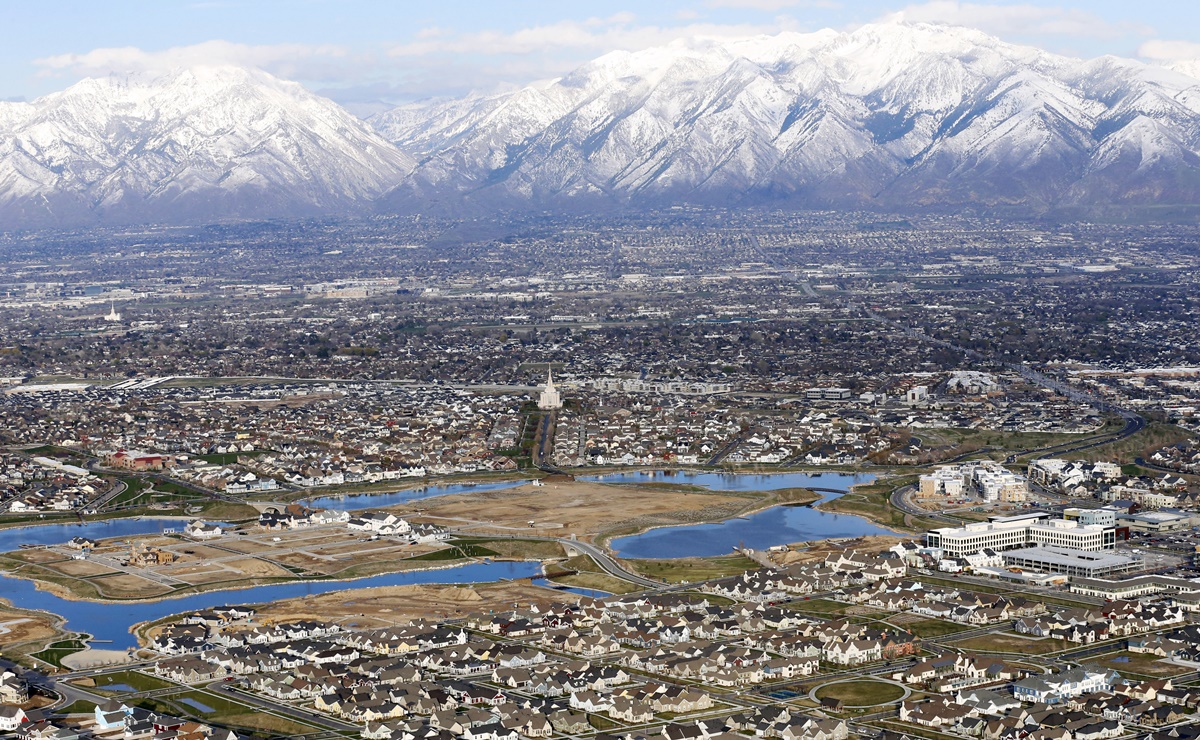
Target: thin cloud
(286,60)
(590,36)
(1019,19)
(772,6)
(1165,50)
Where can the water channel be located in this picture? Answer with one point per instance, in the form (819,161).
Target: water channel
(110,621)
(777,525)
(378,500)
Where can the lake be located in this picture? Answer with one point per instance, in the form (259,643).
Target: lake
(777,525)
(379,500)
(111,621)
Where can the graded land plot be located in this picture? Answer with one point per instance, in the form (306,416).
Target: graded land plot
(19,627)
(1010,642)
(580,508)
(36,556)
(126,586)
(79,568)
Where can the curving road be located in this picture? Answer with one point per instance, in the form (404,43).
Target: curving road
(607,563)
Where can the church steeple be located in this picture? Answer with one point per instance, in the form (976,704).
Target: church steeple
(549,400)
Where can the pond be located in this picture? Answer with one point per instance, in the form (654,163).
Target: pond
(394,498)
(110,621)
(777,525)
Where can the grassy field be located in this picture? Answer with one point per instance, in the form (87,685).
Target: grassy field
(1142,444)
(818,606)
(1140,664)
(693,570)
(1000,440)
(226,713)
(79,707)
(589,575)
(933,628)
(520,549)
(1012,643)
(138,680)
(56,651)
(872,501)
(864,693)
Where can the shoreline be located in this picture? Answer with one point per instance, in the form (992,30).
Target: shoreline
(56,589)
(603,539)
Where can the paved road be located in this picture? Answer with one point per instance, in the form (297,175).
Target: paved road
(899,500)
(610,565)
(607,563)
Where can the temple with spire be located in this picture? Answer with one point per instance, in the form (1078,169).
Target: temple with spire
(549,400)
(113,314)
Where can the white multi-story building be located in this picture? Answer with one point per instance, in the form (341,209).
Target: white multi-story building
(991,480)
(1006,533)
(549,400)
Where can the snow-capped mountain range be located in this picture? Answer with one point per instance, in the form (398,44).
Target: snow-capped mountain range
(891,116)
(203,143)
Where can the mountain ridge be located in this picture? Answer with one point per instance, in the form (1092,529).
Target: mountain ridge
(889,117)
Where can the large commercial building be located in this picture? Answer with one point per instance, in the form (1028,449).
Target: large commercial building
(1007,533)
(1071,562)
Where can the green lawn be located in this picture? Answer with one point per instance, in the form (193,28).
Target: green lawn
(138,680)
(78,707)
(818,606)
(864,693)
(226,713)
(457,551)
(56,651)
(933,628)
(520,549)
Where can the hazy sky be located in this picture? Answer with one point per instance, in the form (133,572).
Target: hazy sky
(357,51)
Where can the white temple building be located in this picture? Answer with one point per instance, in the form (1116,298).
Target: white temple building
(549,400)
(113,314)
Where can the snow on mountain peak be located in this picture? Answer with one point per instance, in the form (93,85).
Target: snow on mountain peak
(199,142)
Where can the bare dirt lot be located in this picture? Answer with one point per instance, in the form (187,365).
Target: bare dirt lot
(582,508)
(128,587)
(807,552)
(18,627)
(80,568)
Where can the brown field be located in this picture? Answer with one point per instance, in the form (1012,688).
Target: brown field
(37,556)
(253,568)
(126,586)
(18,627)
(584,509)
(810,551)
(80,568)
(375,607)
